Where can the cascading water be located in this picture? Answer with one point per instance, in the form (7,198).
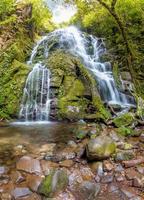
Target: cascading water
(36,103)
(86,47)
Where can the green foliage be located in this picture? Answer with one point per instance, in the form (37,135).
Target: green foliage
(6,8)
(95,19)
(41,15)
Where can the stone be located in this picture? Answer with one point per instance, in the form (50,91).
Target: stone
(66,154)
(3,170)
(138,182)
(119,177)
(5,196)
(34,182)
(122,155)
(140,169)
(107,178)
(29,164)
(47,166)
(119,168)
(56,181)
(33,196)
(131,173)
(108,166)
(47,148)
(86,173)
(20,192)
(100,148)
(89,190)
(97,167)
(17,177)
(66,163)
(72,144)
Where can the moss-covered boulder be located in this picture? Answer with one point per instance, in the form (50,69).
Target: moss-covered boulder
(75,89)
(124,120)
(100,148)
(56,181)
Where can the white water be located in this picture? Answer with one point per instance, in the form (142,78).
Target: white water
(89,49)
(36,103)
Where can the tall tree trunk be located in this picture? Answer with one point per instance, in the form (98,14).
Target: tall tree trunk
(121,26)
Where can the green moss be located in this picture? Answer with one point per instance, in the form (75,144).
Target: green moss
(11,88)
(116,75)
(124,120)
(125,131)
(56,181)
(76,81)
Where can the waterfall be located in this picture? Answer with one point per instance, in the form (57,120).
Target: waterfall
(36,102)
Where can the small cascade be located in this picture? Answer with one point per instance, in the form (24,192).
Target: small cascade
(36,103)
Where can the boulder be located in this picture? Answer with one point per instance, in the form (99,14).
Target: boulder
(100,148)
(56,181)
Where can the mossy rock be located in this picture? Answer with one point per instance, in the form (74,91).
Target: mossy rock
(124,120)
(125,131)
(56,181)
(77,88)
(100,148)
(11,91)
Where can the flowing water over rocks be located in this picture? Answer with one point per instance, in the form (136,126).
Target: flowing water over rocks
(87,48)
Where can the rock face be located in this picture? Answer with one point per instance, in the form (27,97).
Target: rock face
(73,89)
(56,181)
(100,148)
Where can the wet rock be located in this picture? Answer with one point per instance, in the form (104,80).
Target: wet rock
(34,182)
(120,177)
(108,166)
(100,148)
(134,162)
(128,193)
(119,168)
(56,181)
(47,148)
(97,167)
(5,196)
(86,173)
(140,169)
(4,179)
(75,178)
(16,177)
(122,155)
(20,192)
(29,164)
(131,173)
(66,195)
(89,190)
(107,178)
(33,196)
(47,166)
(65,154)
(66,163)
(72,144)
(3,170)
(138,182)
(81,132)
